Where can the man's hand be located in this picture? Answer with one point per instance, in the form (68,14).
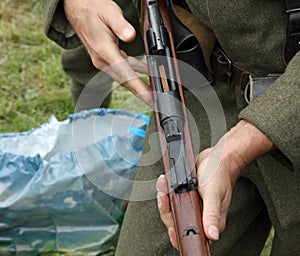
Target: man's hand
(218,168)
(99,24)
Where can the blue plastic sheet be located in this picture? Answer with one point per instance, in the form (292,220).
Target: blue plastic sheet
(63,185)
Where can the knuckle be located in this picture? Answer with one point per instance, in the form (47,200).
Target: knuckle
(98,63)
(98,58)
(112,8)
(212,213)
(116,7)
(215,215)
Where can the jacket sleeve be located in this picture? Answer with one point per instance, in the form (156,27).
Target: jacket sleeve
(57,26)
(276,112)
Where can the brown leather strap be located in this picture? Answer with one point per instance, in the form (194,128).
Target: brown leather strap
(223,69)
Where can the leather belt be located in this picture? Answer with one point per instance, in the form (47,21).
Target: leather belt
(224,70)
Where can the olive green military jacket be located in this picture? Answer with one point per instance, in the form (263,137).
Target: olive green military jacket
(252,33)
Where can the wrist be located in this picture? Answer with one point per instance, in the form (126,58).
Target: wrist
(243,144)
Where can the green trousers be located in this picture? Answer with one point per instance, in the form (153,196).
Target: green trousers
(91,88)
(264,195)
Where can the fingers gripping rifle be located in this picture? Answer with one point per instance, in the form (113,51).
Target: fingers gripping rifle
(171,121)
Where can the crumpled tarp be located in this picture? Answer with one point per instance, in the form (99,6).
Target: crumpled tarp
(63,185)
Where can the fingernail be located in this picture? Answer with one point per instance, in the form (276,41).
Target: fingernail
(127,33)
(161,176)
(214,232)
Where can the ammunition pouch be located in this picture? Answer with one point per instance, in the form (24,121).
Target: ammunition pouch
(257,85)
(187,32)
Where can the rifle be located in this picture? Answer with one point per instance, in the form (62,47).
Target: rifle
(171,121)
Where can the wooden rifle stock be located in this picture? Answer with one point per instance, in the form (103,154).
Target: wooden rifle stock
(171,121)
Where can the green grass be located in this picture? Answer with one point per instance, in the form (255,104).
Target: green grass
(33,85)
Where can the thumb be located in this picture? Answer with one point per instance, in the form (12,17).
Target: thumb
(120,26)
(123,30)
(211,218)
